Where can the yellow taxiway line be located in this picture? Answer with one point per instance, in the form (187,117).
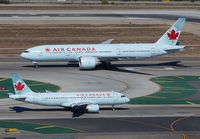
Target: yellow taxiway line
(13,104)
(175,131)
(166,78)
(37,84)
(144,123)
(155,97)
(190,102)
(173,92)
(162,127)
(175,87)
(180,77)
(49,126)
(165,81)
(3,79)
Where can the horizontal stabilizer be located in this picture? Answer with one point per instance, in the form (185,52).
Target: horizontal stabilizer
(107,42)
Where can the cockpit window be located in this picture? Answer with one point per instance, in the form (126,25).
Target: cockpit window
(122,95)
(26,51)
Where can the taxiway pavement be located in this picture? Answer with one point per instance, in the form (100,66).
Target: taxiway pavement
(129,77)
(134,74)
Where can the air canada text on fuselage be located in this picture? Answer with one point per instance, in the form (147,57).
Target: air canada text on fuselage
(68,49)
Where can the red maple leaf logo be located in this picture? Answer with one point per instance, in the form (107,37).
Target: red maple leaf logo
(172,35)
(108,94)
(19,87)
(47,49)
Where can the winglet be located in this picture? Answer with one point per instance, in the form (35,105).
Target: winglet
(173,33)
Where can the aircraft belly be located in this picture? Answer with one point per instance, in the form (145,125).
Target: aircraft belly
(29,100)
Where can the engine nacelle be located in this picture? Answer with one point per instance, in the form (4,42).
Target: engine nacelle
(92,108)
(88,62)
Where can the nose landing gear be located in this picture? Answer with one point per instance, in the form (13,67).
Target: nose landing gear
(35,64)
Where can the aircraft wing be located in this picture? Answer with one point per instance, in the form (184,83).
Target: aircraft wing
(82,107)
(101,58)
(108,41)
(176,49)
(119,58)
(73,104)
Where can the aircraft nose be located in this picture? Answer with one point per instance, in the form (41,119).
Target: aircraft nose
(22,55)
(127,100)
(25,55)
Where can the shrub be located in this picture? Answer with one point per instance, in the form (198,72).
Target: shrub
(104,2)
(4,1)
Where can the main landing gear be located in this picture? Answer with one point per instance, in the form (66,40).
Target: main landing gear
(106,64)
(113,108)
(35,64)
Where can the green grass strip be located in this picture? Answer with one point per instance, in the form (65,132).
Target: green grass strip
(34,86)
(173,89)
(38,128)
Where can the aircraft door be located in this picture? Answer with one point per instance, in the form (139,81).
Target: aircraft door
(39,52)
(67,53)
(153,51)
(118,51)
(115,96)
(35,98)
(83,97)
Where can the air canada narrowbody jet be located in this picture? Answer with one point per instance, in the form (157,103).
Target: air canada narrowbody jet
(90,55)
(88,101)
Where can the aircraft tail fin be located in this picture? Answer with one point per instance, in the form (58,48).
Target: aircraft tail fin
(173,33)
(20,87)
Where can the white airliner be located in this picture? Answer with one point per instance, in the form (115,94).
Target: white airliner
(90,55)
(89,101)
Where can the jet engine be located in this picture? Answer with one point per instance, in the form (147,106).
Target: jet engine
(92,108)
(88,62)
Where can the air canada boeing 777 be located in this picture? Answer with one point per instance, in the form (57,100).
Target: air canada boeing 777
(90,55)
(76,101)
